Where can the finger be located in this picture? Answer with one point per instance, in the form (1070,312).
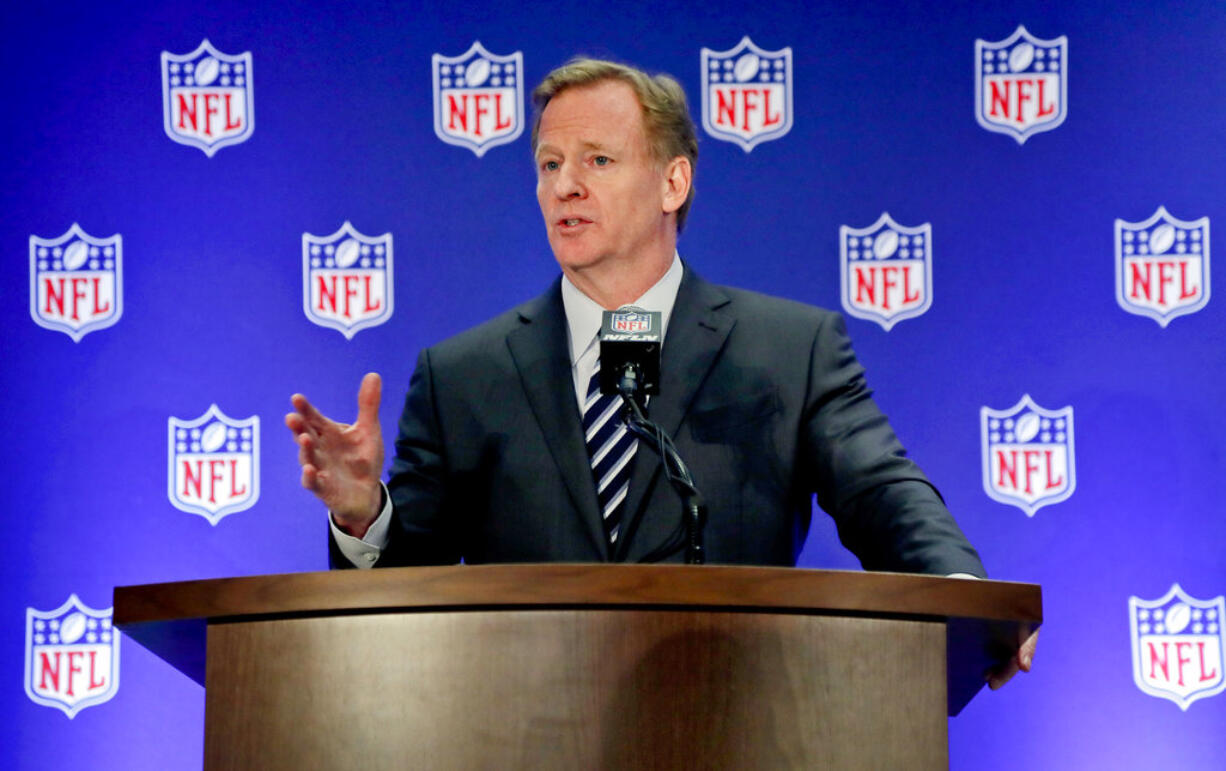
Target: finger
(309,477)
(312,417)
(370,393)
(1025,656)
(1003,675)
(306,457)
(294,422)
(310,453)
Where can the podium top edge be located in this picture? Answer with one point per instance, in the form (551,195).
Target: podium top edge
(562,585)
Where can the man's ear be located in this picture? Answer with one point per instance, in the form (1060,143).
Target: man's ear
(678,176)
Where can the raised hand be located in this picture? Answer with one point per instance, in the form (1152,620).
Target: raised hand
(341,462)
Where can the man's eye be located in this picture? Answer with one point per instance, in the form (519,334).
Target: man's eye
(601,160)
(550,166)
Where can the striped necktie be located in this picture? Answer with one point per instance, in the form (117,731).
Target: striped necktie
(611,447)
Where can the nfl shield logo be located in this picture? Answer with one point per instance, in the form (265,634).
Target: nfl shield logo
(885,271)
(1028,455)
(207,98)
(72,657)
(1021,84)
(630,321)
(747,93)
(347,280)
(214,467)
(76,282)
(1177,644)
(478,98)
(1162,266)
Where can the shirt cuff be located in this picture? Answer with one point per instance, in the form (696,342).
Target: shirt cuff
(951,575)
(364,552)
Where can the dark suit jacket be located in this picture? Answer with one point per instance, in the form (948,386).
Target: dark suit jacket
(763,397)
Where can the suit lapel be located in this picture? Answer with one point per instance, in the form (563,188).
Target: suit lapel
(699,325)
(539,348)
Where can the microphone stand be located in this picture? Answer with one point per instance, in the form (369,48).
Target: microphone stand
(694,510)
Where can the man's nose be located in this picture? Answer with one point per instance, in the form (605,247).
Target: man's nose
(567,184)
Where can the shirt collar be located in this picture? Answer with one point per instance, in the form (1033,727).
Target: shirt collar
(584,315)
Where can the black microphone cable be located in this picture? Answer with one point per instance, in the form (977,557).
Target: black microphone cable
(688,533)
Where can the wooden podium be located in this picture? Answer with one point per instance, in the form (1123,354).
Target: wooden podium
(581,666)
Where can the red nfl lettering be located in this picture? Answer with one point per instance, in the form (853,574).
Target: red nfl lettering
(482,114)
(1019,94)
(221,472)
(746,108)
(882,281)
(49,669)
(1203,673)
(343,303)
(631,324)
(49,672)
(1009,468)
(188,115)
(1153,281)
(83,288)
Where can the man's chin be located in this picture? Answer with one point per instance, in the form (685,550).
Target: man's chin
(572,259)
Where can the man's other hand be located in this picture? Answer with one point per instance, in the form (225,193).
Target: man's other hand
(341,462)
(1021,661)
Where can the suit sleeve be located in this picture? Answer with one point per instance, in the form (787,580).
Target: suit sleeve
(887,512)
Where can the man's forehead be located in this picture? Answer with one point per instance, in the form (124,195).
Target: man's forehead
(594,116)
(584,145)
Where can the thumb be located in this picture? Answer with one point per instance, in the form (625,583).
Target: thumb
(369,395)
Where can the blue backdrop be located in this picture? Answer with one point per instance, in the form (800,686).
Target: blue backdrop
(332,120)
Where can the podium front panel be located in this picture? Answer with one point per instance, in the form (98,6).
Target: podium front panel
(599,688)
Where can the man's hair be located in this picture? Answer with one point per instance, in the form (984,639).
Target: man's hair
(666,118)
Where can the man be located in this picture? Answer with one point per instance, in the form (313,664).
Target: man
(500,432)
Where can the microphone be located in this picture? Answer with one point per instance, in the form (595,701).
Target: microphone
(630,341)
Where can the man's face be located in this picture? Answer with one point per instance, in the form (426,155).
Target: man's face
(600,191)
